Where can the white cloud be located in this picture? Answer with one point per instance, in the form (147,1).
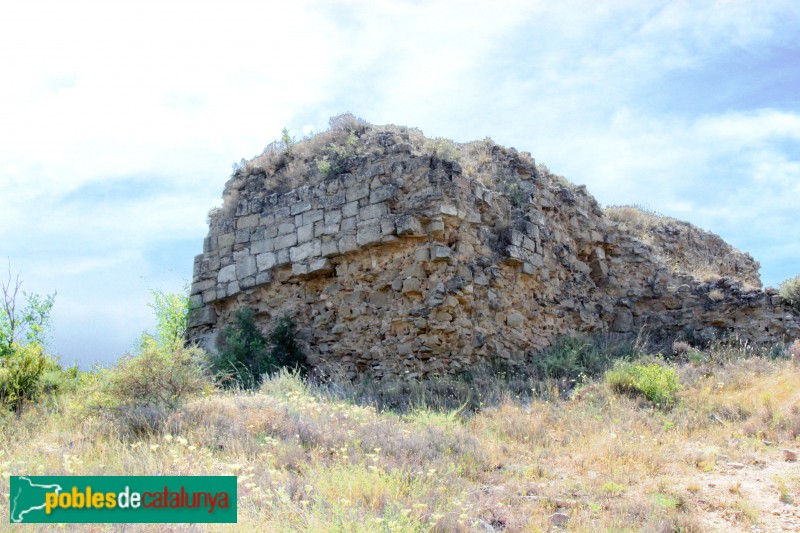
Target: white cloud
(168,94)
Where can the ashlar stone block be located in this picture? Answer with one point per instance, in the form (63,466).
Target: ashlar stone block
(246,267)
(266,260)
(259,247)
(347,243)
(369,233)
(329,248)
(285,228)
(357,192)
(305,251)
(227,274)
(333,216)
(285,241)
(372,211)
(350,209)
(305,233)
(312,216)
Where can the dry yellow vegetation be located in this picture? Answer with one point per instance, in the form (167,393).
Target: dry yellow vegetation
(307,460)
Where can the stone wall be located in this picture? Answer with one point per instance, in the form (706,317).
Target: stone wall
(403,256)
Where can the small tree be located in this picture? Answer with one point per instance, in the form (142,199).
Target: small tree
(23,332)
(25,325)
(287,140)
(172,318)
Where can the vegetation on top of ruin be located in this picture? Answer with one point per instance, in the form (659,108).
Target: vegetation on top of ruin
(790,291)
(288,163)
(685,247)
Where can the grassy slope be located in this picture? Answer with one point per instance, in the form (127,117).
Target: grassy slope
(308,461)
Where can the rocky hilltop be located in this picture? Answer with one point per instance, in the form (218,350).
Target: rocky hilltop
(402,255)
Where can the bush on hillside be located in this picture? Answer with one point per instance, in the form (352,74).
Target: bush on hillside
(658,384)
(242,356)
(141,390)
(443,149)
(20,375)
(790,291)
(578,358)
(172,318)
(20,324)
(245,355)
(285,351)
(348,122)
(57,379)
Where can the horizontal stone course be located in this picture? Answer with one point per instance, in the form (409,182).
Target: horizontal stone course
(407,266)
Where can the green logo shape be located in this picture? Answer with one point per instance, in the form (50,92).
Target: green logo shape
(122,499)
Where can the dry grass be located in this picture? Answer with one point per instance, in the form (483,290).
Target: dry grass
(716,295)
(707,262)
(309,461)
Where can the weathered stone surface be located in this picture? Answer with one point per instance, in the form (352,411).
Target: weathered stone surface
(357,192)
(514,320)
(285,241)
(227,274)
(246,267)
(266,260)
(305,233)
(304,251)
(403,265)
(313,216)
(329,248)
(372,211)
(369,233)
(300,207)
(408,225)
(441,253)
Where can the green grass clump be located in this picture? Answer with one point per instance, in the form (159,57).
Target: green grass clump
(577,358)
(658,384)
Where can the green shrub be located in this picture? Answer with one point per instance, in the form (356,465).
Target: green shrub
(57,379)
(285,352)
(20,375)
(141,390)
(245,355)
(576,358)
(287,140)
(790,291)
(324,167)
(339,157)
(515,195)
(655,382)
(242,358)
(172,318)
(443,149)
(19,324)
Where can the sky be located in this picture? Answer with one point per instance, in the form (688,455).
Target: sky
(119,121)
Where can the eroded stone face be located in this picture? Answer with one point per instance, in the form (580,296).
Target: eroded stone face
(407,265)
